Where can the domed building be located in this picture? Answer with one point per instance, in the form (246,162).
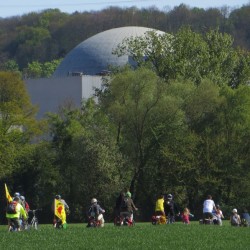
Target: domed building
(80,71)
(94,55)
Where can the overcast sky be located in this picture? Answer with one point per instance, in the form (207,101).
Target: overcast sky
(10,8)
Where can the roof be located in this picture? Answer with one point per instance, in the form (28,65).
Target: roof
(94,55)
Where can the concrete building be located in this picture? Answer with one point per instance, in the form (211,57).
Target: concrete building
(51,93)
(79,72)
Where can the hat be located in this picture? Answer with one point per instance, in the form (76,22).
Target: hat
(234,210)
(128,194)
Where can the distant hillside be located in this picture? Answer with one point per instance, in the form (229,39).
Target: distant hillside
(51,34)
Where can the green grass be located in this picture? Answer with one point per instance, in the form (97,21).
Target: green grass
(141,236)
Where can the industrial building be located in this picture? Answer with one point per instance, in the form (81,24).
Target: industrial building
(81,70)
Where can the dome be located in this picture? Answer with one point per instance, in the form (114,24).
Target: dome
(94,55)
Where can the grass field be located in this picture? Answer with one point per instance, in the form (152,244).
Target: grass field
(141,236)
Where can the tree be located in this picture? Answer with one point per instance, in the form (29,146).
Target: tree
(11,65)
(189,55)
(86,155)
(29,45)
(17,122)
(36,69)
(132,100)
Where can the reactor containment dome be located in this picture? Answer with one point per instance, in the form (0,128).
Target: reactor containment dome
(94,55)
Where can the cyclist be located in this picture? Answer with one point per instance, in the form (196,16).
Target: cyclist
(26,207)
(16,194)
(58,197)
(208,208)
(159,216)
(171,209)
(57,220)
(159,205)
(25,204)
(127,208)
(95,211)
(14,217)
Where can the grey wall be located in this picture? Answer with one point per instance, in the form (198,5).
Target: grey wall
(51,93)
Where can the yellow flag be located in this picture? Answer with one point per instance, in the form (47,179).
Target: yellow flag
(60,211)
(8,197)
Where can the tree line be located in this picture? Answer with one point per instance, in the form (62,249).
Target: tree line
(30,41)
(179,123)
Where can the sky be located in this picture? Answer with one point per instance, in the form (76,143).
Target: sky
(9,8)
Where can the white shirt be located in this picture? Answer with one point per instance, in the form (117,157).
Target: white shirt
(208,206)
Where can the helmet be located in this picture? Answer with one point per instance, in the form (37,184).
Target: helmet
(58,196)
(16,198)
(234,210)
(170,196)
(22,198)
(16,194)
(94,200)
(128,194)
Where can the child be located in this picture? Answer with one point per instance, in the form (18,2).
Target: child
(245,218)
(218,216)
(96,212)
(235,218)
(159,206)
(171,209)
(159,216)
(186,215)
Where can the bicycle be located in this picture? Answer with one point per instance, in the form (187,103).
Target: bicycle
(12,226)
(34,221)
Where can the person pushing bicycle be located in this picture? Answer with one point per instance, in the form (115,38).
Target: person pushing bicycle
(13,213)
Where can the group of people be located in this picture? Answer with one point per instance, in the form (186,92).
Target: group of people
(213,214)
(124,208)
(166,210)
(237,220)
(17,212)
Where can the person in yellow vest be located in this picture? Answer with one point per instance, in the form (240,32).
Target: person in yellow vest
(13,215)
(159,206)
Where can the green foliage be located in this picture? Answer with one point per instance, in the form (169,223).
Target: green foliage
(178,124)
(189,55)
(29,41)
(131,100)
(38,70)
(44,36)
(11,65)
(17,122)
(87,155)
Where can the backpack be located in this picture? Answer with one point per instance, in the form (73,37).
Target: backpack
(93,211)
(11,207)
(124,203)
